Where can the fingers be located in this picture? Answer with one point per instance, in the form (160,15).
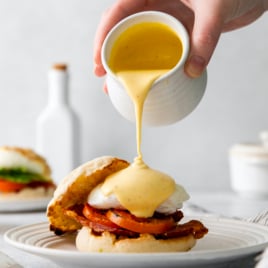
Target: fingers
(120,10)
(107,22)
(105,89)
(204,37)
(208,24)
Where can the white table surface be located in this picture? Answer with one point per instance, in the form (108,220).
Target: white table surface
(227,204)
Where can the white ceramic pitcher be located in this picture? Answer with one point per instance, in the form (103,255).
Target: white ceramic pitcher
(172,96)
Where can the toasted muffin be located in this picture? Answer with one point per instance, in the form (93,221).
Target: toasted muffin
(74,189)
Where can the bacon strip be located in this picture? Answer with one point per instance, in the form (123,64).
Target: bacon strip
(194,227)
(97,227)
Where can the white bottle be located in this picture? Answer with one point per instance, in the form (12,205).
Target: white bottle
(57,137)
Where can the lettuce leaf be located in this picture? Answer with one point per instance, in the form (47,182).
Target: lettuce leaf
(20,175)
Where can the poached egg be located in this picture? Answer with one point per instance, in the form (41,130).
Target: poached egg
(97,199)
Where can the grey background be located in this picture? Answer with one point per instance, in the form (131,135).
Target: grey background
(35,34)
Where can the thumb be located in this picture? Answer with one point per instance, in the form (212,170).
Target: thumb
(204,37)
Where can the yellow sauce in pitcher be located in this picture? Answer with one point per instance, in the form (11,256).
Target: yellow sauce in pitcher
(140,55)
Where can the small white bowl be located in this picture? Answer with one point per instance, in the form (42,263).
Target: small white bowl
(174,95)
(264,138)
(249,169)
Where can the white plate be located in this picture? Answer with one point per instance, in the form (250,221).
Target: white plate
(27,204)
(227,241)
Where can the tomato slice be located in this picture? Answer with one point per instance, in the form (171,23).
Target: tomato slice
(96,216)
(97,220)
(7,186)
(10,186)
(140,225)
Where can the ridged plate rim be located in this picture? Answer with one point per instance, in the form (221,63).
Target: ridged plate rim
(228,239)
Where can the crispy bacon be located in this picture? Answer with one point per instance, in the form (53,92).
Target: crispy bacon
(96,220)
(194,227)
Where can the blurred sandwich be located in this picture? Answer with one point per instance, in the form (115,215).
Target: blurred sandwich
(24,174)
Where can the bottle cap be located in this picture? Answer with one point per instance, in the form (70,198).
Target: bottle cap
(60,66)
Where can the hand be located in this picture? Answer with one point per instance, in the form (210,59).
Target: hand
(205,20)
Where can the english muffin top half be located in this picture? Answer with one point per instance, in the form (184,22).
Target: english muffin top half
(74,190)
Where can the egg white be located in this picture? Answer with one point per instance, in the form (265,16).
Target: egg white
(98,200)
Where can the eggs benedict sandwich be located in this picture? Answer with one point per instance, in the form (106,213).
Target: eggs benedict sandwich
(111,214)
(24,174)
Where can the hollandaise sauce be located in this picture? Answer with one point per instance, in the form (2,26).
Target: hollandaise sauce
(140,55)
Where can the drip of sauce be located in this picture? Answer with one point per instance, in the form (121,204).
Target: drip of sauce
(140,55)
